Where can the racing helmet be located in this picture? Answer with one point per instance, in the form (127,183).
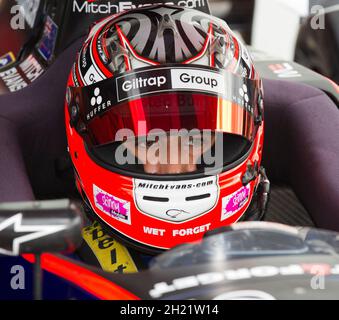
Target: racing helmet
(164,120)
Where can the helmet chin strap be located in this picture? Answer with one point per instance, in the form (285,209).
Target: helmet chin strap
(257,209)
(264,189)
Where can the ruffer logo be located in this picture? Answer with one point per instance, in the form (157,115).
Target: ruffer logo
(97,99)
(98,104)
(244,93)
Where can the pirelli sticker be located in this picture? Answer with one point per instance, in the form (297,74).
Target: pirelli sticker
(111,255)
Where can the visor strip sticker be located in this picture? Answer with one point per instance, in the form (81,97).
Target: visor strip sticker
(155,80)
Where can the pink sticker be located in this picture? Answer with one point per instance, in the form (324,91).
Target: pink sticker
(234,202)
(111,205)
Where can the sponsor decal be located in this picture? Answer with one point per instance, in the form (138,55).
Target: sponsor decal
(162,288)
(101,52)
(243,92)
(247,69)
(97,98)
(31,68)
(113,206)
(13,79)
(107,7)
(92,76)
(178,232)
(164,79)
(233,203)
(167,200)
(154,231)
(47,43)
(22,233)
(191,231)
(183,185)
(141,83)
(112,255)
(160,80)
(19,77)
(97,104)
(243,98)
(74,76)
(284,70)
(7,59)
(87,70)
(198,80)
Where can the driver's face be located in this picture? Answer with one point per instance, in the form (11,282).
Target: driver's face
(171,154)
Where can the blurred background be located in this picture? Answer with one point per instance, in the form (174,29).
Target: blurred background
(306,31)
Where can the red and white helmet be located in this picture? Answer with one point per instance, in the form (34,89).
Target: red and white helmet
(147,78)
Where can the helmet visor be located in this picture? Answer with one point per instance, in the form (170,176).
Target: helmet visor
(166,99)
(197,106)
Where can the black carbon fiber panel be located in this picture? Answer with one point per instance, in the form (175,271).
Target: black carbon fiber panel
(284,207)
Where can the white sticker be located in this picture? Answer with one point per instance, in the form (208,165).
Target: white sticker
(13,80)
(198,80)
(92,76)
(31,68)
(176,201)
